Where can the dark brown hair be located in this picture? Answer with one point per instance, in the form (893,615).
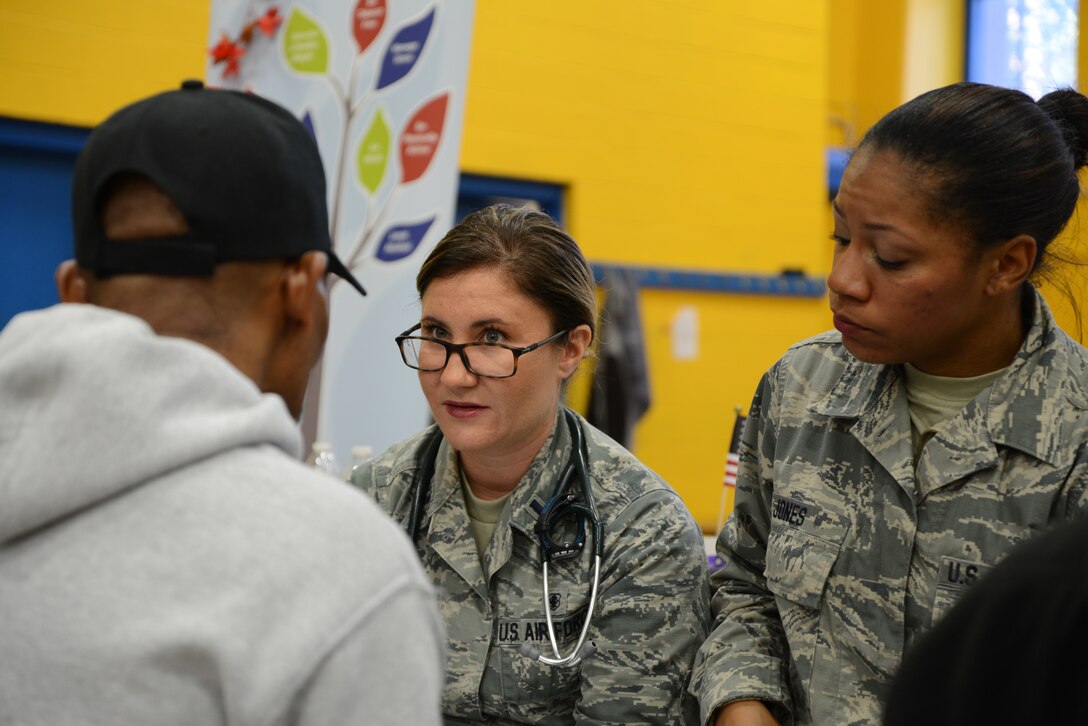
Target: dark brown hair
(991,159)
(542,260)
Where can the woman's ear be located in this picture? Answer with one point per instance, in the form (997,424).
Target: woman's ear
(1013,262)
(71,287)
(578,342)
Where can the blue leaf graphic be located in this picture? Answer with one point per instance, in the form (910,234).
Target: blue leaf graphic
(402,240)
(404,50)
(308,122)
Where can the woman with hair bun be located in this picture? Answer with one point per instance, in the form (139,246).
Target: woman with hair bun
(888,465)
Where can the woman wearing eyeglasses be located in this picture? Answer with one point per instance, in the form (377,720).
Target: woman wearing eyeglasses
(571,578)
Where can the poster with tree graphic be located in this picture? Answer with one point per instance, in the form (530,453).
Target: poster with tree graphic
(381,85)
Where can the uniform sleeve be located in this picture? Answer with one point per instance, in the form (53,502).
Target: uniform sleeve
(653,613)
(391,492)
(388,670)
(362,478)
(746,655)
(1076,489)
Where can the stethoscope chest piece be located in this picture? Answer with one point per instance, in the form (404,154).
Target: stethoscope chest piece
(558,514)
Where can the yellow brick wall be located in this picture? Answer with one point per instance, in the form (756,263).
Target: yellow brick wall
(72,62)
(689,135)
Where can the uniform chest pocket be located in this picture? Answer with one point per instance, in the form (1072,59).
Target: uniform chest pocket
(534,692)
(531,691)
(802,546)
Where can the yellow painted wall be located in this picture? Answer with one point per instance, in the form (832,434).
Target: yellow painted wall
(865,65)
(682,129)
(685,435)
(688,134)
(72,62)
(884,53)
(934,45)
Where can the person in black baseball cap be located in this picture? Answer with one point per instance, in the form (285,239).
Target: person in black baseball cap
(166,556)
(243,172)
(202,210)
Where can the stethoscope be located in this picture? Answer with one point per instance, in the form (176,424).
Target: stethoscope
(563,505)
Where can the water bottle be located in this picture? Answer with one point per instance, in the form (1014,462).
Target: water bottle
(359,454)
(322,458)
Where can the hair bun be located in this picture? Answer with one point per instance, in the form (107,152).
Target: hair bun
(1069,110)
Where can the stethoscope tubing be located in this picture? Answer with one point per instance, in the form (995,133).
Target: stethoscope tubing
(576,655)
(589,507)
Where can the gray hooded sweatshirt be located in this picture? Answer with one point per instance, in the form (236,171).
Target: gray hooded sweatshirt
(165,558)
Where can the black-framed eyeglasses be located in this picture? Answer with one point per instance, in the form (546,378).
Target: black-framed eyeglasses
(488,360)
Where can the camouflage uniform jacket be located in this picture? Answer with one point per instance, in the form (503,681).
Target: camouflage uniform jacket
(653,607)
(839,551)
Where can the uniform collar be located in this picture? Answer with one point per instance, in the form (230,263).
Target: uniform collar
(446,481)
(1024,408)
(1018,409)
(538,484)
(521,514)
(860,389)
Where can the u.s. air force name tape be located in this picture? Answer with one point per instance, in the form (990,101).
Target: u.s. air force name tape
(525,630)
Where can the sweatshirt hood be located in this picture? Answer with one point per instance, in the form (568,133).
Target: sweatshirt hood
(94,403)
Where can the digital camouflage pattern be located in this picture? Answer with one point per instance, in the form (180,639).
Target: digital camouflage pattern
(838,553)
(653,607)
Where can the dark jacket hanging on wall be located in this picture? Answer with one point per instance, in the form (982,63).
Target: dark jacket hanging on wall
(621,383)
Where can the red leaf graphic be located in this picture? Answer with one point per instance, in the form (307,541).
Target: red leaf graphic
(420,138)
(367,21)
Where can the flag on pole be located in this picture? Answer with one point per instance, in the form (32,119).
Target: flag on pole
(732,462)
(732,458)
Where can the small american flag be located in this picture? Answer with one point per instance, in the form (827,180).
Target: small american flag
(732,458)
(732,463)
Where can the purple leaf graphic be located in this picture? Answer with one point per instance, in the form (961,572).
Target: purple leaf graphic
(308,122)
(404,50)
(402,240)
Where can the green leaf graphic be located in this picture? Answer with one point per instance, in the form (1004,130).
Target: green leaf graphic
(373,153)
(305,47)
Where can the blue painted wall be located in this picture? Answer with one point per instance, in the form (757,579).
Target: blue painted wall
(35,220)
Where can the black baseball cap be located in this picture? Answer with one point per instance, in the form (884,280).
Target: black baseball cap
(243,171)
